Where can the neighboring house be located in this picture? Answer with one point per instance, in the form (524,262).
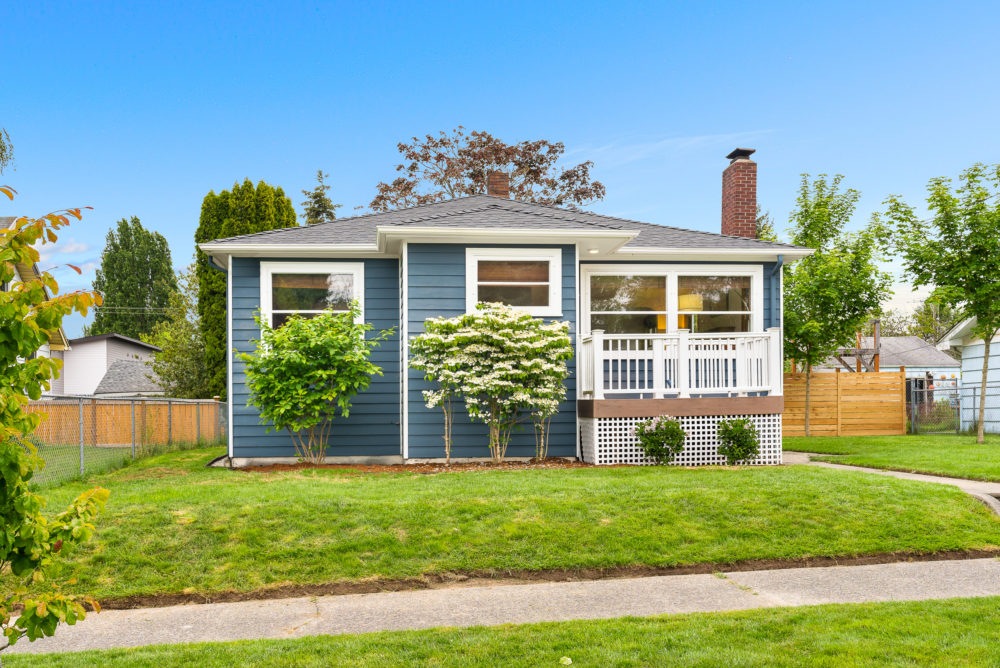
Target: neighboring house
(664,320)
(58,344)
(960,339)
(129,378)
(90,358)
(922,360)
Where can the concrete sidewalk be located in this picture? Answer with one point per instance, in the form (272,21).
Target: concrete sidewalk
(987,492)
(516,604)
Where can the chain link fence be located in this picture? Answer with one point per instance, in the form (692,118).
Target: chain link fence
(85,435)
(951,410)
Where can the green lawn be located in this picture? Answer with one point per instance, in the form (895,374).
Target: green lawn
(928,633)
(942,454)
(174,526)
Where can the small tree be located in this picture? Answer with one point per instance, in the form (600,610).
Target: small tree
(319,208)
(180,366)
(958,252)
(504,362)
(307,371)
(546,383)
(436,354)
(31,542)
(765,226)
(830,294)
(445,166)
(934,318)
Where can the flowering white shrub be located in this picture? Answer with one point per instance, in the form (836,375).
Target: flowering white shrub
(506,364)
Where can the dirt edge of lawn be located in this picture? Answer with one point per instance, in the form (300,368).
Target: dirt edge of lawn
(515,577)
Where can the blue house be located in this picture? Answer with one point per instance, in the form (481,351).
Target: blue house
(664,320)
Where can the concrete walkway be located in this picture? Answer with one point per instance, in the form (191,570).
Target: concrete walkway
(987,492)
(516,604)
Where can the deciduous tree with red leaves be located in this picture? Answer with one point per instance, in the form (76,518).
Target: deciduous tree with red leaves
(445,166)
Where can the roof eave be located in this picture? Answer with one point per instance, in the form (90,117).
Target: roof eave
(221,252)
(713,253)
(390,238)
(955,337)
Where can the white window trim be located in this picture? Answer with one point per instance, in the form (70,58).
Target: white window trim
(671,272)
(268,269)
(554,257)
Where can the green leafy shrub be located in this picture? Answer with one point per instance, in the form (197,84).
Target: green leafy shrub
(32,542)
(307,371)
(661,438)
(738,441)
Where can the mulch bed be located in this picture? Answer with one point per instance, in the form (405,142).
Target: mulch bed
(425,469)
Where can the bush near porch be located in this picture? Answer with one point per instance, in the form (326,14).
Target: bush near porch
(244,531)
(938,454)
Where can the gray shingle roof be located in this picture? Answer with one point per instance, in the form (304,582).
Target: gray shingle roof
(128,377)
(484,211)
(910,351)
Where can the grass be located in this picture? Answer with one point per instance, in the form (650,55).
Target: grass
(928,633)
(62,461)
(940,454)
(174,526)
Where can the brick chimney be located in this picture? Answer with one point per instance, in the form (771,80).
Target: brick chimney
(498,184)
(739,195)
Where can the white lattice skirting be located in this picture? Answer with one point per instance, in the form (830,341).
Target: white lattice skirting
(612,440)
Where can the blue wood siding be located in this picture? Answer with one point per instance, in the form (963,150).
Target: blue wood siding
(436,283)
(373,427)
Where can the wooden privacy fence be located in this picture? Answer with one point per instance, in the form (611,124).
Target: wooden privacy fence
(127,422)
(846,404)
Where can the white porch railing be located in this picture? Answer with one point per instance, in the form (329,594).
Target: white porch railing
(680,365)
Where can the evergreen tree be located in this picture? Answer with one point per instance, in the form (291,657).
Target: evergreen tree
(319,208)
(243,210)
(136,279)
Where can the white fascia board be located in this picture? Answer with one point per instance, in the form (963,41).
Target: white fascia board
(707,254)
(221,252)
(957,335)
(606,241)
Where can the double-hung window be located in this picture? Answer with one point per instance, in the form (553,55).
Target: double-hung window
(526,278)
(308,288)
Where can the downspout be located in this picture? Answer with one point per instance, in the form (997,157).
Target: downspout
(776,293)
(229,362)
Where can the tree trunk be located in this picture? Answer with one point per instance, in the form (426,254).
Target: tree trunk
(808,383)
(981,431)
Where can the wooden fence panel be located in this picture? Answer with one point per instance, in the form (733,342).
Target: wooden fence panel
(846,404)
(108,422)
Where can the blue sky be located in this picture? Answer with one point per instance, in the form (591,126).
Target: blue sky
(140,109)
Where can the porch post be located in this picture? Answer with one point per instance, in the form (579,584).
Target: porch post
(683,372)
(777,362)
(597,336)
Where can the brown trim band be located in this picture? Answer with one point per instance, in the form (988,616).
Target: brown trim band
(604,408)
